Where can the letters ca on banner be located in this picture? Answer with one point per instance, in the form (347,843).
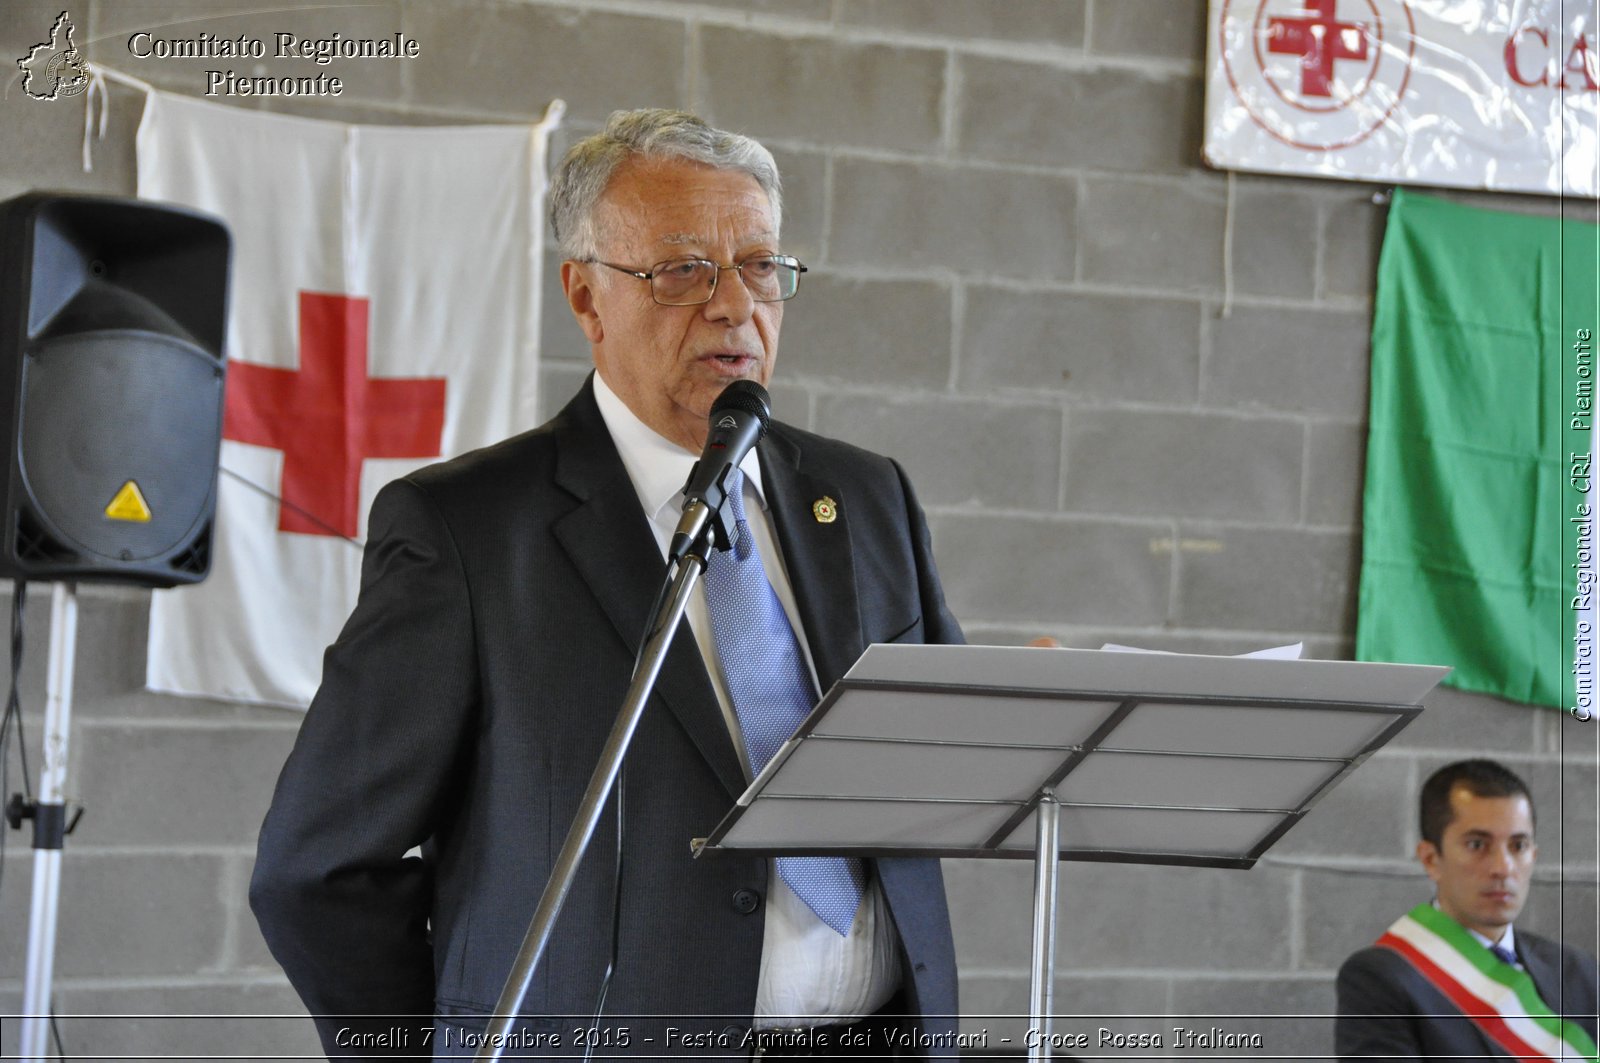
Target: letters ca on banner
(1496,94)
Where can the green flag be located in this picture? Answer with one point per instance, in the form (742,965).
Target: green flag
(1478,513)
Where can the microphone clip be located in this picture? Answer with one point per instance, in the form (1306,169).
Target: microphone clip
(724,529)
(739,419)
(699,520)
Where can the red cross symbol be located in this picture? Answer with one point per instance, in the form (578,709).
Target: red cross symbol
(328,416)
(1319,41)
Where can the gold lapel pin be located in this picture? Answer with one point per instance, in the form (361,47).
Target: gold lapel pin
(825,509)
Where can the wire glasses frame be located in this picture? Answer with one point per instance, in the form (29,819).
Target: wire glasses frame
(693,281)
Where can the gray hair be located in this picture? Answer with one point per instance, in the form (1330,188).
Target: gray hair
(653,133)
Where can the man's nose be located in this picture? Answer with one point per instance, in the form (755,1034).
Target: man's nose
(731,300)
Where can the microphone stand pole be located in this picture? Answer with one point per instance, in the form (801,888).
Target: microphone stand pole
(601,783)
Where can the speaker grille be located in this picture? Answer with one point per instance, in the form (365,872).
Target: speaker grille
(196,561)
(35,546)
(98,412)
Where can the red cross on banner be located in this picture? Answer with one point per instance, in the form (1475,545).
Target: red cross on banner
(328,416)
(1319,40)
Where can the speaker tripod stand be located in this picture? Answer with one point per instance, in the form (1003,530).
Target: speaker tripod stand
(50,824)
(113,319)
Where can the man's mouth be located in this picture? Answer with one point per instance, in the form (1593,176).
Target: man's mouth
(732,360)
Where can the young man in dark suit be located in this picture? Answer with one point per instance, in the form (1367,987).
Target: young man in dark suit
(1454,979)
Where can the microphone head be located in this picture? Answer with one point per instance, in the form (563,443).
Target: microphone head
(744,396)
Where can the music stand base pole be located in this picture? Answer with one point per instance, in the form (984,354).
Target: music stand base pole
(1047,859)
(601,781)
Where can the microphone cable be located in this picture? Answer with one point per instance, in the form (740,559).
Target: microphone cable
(593,1035)
(12,719)
(751,399)
(653,622)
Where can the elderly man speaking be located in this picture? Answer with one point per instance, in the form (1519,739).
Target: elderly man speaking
(503,597)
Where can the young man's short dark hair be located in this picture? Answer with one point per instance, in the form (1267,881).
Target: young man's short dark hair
(1482,778)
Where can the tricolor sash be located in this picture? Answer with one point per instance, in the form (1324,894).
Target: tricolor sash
(1496,997)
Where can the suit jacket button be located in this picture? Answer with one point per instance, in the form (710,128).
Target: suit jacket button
(746,901)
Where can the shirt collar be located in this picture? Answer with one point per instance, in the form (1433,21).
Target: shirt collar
(657,466)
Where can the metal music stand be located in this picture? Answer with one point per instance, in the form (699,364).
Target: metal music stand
(987,752)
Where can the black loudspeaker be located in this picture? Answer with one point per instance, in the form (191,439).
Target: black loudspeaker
(112,318)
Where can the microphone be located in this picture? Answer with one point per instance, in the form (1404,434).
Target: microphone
(739,419)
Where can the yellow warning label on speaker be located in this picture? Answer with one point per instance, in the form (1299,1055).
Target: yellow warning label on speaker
(129,505)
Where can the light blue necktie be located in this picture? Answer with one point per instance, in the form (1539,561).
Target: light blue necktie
(772,693)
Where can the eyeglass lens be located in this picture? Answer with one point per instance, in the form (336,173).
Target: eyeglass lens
(692,280)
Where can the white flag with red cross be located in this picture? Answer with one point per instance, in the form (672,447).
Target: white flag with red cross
(384,315)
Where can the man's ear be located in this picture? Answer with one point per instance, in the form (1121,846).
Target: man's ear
(579,289)
(1428,857)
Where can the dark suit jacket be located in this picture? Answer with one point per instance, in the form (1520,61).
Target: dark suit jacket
(465,703)
(1387,1010)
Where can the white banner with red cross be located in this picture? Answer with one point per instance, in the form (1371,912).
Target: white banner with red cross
(1496,94)
(384,314)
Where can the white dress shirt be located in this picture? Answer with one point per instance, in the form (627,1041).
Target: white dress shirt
(809,973)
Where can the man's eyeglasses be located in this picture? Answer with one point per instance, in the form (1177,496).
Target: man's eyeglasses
(692,281)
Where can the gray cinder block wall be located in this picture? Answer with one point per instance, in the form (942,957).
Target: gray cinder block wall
(1017,288)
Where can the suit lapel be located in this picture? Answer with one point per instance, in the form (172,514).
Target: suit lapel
(610,544)
(816,555)
(1546,979)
